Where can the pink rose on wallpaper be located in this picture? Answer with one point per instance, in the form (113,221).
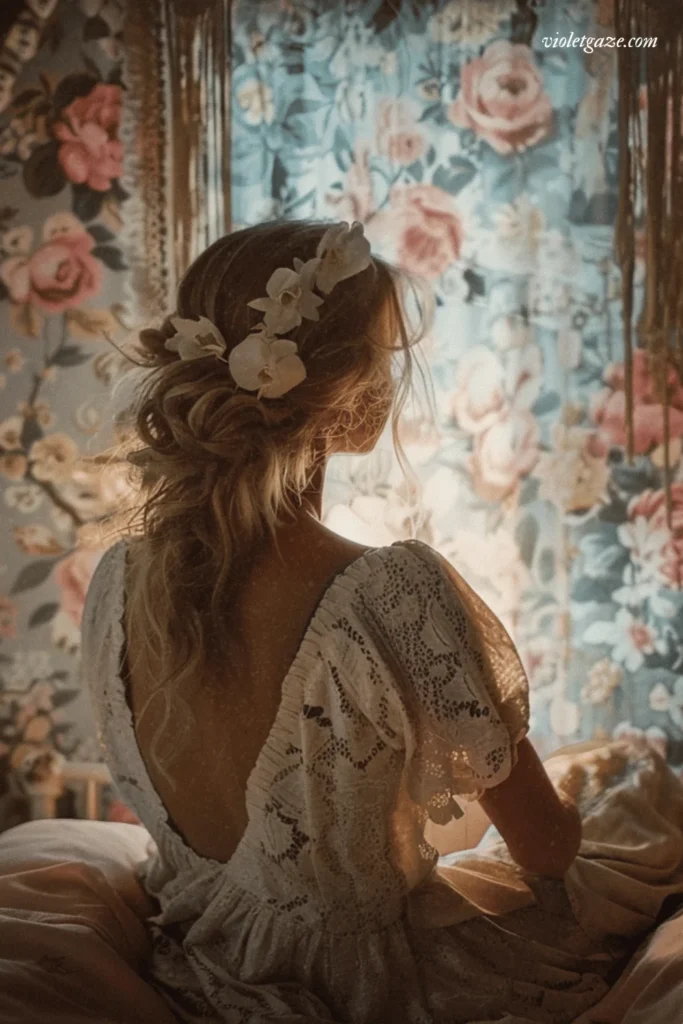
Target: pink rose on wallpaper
(502,98)
(397,133)
(424,226)
(91,153)
(507,448)
(72,576)
(609,406)
(356,201)
(60,274)
(479,400)
(655,549)
(504,454)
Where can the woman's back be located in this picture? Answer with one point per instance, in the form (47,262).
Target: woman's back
(233,714)
(332,907)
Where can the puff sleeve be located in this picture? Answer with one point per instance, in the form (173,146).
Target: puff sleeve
(460,691)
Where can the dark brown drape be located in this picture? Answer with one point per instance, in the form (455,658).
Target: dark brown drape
(651,191)
(177,127)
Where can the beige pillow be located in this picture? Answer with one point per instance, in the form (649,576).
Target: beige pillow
(73,942)
(113,848)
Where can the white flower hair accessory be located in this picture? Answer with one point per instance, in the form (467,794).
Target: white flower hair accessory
(196,339)
(264,362)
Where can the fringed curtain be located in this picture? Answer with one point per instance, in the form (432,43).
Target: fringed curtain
(651,193)
(177,132)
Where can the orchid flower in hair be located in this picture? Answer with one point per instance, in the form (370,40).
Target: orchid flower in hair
(290,297)
(342,252)
(266,364)
(263,362)
(196,339)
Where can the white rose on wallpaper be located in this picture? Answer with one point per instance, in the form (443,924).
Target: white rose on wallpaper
(656,554)
(492,565)
(512,243)
(440,493)
(504,454)
(420,438)
(479,398)
(377,521)
(492,402)
(630,637)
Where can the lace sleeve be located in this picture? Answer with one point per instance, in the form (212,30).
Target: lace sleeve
(462,687)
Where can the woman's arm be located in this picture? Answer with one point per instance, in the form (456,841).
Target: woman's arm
(542,828)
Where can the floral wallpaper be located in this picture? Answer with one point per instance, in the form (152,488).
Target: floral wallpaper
(62,275)
(476,157)
(487,162)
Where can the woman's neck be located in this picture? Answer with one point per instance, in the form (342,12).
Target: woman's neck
(312,498)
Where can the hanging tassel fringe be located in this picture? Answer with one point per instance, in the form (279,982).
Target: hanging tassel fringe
(651,197)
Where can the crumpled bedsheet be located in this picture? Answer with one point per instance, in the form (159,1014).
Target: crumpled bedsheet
(73,942)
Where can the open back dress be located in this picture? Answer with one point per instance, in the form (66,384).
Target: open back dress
(334,907)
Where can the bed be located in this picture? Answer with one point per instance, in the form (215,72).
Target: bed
(73,942)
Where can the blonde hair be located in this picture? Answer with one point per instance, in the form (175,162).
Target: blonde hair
(218,469)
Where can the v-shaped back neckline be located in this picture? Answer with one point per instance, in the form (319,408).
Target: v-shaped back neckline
(353,569)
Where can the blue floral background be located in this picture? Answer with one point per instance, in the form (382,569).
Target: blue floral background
(487,161)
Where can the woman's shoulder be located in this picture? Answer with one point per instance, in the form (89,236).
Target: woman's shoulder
(363,562)
(102,589)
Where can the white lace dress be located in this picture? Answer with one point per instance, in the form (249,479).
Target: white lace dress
(333,907)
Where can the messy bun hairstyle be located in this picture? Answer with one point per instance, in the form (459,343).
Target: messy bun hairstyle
(217,468)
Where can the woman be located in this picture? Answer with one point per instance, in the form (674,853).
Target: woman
(287,711)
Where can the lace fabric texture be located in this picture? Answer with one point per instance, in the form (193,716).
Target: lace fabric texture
(404,698)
